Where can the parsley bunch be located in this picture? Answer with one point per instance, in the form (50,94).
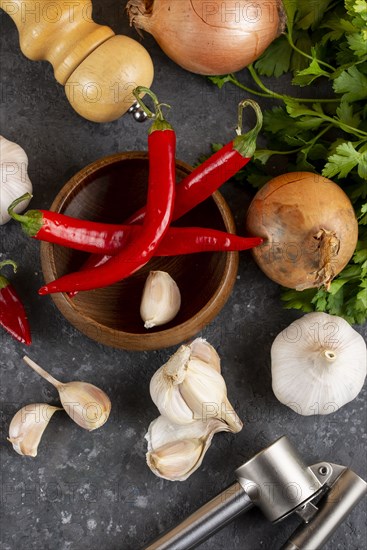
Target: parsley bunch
(325,41)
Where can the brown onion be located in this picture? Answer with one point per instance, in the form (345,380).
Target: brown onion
(210,38)
(309,227)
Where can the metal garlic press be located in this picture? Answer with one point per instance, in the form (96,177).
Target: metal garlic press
(279,483)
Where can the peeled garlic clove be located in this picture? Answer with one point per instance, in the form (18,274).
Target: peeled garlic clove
(318,364)
(176,451)
(201,349)
(187,388)
(27,426)
(161,299)
(165,391)
(86,404)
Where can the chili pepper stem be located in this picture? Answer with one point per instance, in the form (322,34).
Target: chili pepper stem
(9,262)
(245,144)
(14,204)
(31,221)
(3,280)
(160,123)
(39,370)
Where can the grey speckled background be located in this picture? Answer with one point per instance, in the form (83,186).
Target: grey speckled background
(93,490)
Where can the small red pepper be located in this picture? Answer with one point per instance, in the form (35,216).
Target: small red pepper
(109,239)
(52,227)
(160,202)
(13,317)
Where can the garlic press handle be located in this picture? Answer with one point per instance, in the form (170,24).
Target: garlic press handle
(206,521)
(333,508)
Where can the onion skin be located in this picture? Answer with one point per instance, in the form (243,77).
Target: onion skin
(309,228)
(210,38)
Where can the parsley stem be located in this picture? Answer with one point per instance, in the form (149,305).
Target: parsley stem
(315,139)
(239,84)
(304,54)
(261,85)
(272,152)
(282,97)
(342,125)
(292,151)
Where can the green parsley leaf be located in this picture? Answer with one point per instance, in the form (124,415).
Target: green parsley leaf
(362,218)
(338,28)
(220,80)
(352,83)
(358,43)
(294,299)
(310,13)
(308,75)
(276,59)
(290,8)
(345,114)
(344,160)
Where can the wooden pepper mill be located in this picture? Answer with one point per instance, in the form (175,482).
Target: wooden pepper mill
(98,69)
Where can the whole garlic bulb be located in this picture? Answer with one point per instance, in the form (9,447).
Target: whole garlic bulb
(318,364)
(190,387)
(14,180)
(176,451)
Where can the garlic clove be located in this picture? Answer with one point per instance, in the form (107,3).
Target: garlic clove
(187,388)
(165,391)
(175,461)
(205,392)
(201,349)
(176,451)
(318,364)
(161,299)
(86,404)
(27,426)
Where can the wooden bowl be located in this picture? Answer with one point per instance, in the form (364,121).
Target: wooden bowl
(110,190)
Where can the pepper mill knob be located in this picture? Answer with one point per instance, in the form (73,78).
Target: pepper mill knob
(98,68)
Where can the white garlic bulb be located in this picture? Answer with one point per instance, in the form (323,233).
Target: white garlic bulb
(161,299)
(318,364)
(176,451)
(27,427)
(14,179)
(190,387)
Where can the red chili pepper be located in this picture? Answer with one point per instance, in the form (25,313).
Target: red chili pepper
(52,227)
(13,317)
(214,171)
(108,239)
(160,202)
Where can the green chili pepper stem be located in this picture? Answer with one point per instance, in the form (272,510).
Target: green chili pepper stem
(245,144)
(14,204)
(160,123)
(31,221)
(9,262)
(3,280)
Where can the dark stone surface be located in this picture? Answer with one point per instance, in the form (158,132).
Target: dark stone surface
(93,490)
